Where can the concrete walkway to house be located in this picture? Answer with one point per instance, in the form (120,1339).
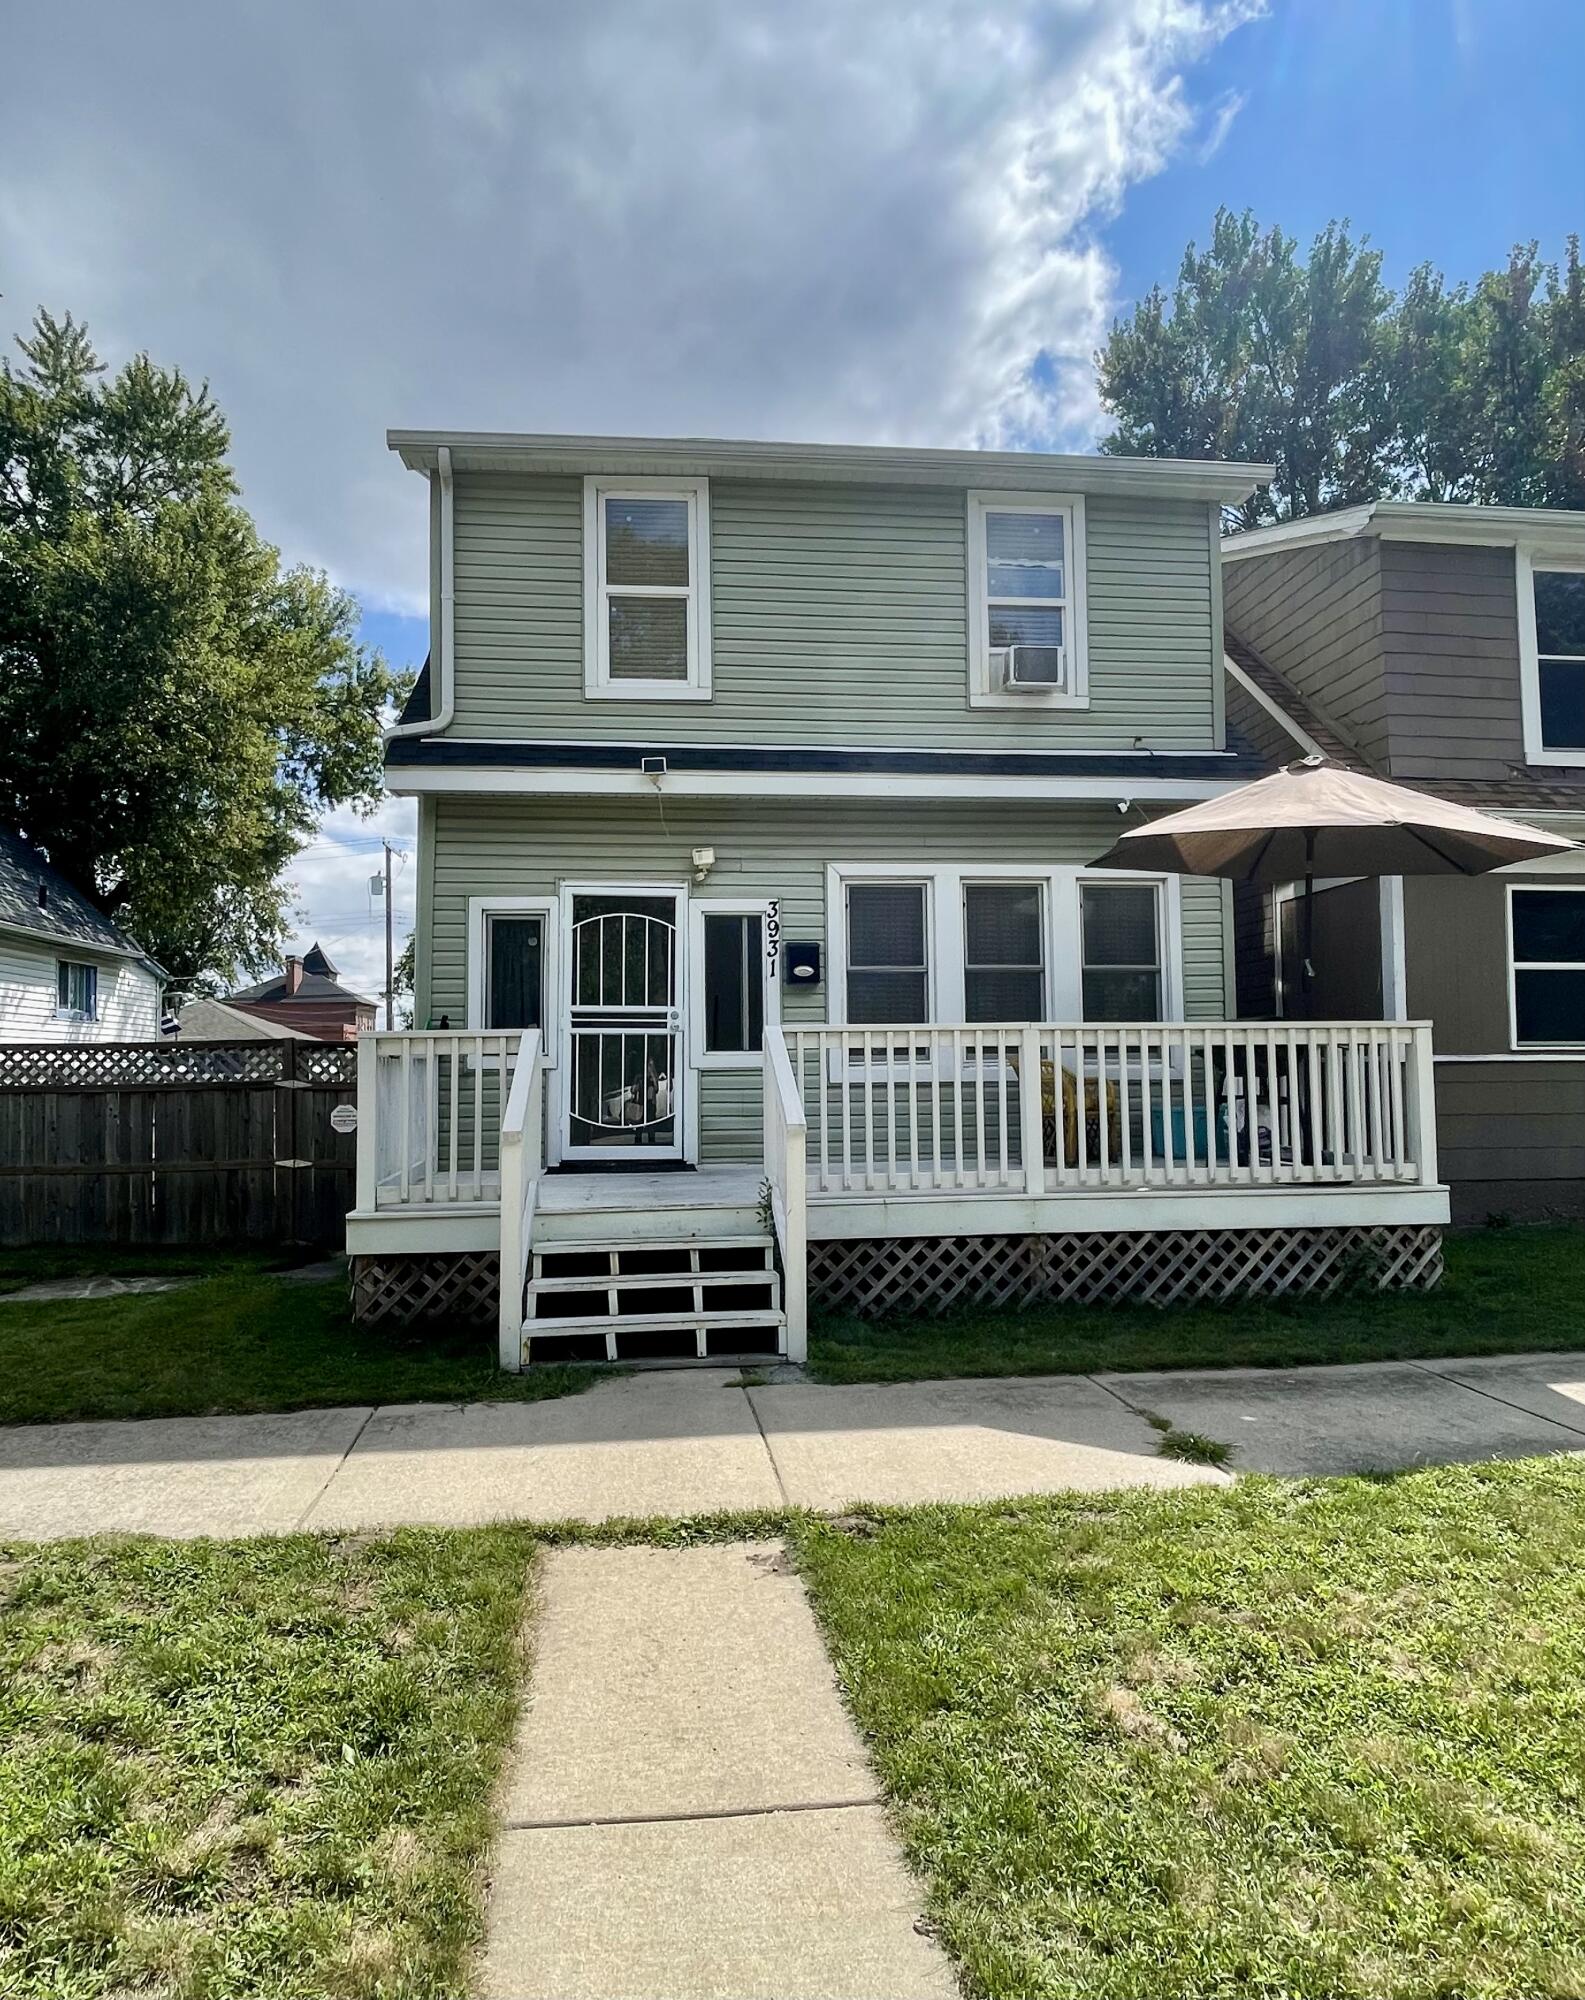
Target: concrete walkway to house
(697,1441)
(688,1811)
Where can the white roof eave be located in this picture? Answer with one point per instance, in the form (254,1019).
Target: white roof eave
(507,451)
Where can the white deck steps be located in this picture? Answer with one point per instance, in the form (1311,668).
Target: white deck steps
(706,1288)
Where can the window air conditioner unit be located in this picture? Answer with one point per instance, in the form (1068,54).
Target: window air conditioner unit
(1035,669)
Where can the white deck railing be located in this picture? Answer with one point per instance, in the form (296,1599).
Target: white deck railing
(522,1165)
(429,1116)
(786,1131)
(1168,1106)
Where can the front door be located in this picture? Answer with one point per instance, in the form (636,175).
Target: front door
(627,1067)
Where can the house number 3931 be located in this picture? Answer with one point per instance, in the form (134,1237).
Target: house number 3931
(772,934)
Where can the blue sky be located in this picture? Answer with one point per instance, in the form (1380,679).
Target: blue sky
(1447,130)
(891,222)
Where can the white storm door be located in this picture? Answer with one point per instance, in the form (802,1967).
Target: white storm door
(627,1066)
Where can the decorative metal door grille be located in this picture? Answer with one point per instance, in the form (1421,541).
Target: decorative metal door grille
(625,1028)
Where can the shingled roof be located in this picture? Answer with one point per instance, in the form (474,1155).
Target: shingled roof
(38,899)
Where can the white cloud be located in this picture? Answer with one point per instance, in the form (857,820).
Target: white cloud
(828,221)
(330,885)
(1223,114)
(825,220)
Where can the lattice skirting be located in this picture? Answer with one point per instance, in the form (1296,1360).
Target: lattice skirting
(464,1285)
(930,1275)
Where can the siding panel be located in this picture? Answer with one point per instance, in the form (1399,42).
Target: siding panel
(840,615)
(775,848)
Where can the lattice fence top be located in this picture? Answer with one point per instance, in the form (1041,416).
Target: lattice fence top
(102,1065)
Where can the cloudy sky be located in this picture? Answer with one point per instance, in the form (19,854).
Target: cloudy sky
(835,219)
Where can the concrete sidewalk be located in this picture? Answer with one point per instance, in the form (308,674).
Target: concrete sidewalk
(697,1441)
(688,1811)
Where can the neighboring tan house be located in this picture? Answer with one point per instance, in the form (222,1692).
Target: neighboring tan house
(67,973)
(1441,646)
(759,936)
(307,996)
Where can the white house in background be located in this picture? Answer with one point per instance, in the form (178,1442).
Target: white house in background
(67,974)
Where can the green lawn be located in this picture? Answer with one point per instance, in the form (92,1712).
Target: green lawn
(1506,1290)
(1317,1741)
(252,1767)
(245,1338)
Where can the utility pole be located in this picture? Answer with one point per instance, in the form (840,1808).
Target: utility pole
(390,961)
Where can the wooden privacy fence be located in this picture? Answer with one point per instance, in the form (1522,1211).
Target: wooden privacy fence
(171,1142)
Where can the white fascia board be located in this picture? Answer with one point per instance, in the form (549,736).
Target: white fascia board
(1555,529)
(510,451)
(65,946)
(488,781)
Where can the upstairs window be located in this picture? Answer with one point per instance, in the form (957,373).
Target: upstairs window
(76,990)
(646,590)
(1546,929)
(1560,657)
(1027,639)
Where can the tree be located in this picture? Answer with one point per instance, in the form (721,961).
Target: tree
(176,708)
(1466,393)
(1260,356)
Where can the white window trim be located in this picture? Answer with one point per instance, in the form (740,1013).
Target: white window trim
(700,907)
(984,691)
(1537,1049)
(597,682)
(89,1015)
(1526,562)
(944,932)
(480,910)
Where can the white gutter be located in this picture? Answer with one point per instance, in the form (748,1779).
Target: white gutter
(444,682)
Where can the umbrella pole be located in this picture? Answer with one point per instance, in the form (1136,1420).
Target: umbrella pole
(1306,968)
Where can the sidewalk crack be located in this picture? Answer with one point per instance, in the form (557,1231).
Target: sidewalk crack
(682,1818)
(1458,1382)
(748,1397)
(302,1520)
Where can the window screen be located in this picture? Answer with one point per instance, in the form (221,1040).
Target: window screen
(1121,927)
(77,989)
(1003,958)
(647,583)
(1549,966)
(514,959)
(734,983)
(1560,656)
(887,974)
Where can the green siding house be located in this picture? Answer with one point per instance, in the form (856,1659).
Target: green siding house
(761,951)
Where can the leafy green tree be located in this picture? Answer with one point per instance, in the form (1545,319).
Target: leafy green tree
(176,708)
(1469,393)
(1258,355)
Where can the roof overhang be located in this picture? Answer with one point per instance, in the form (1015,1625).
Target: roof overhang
(729,458)
(1555,529)
(63,943)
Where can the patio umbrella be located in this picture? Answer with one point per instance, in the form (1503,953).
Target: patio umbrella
(1314,818)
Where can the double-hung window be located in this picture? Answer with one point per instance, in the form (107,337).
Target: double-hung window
(1004,960)
(647,590)
(1120,937)
(76,990)
(888,966)
(1546,930)
(1027,635)
(1551,593)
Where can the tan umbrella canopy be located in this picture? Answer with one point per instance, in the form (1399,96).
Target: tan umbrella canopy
(1315,818)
